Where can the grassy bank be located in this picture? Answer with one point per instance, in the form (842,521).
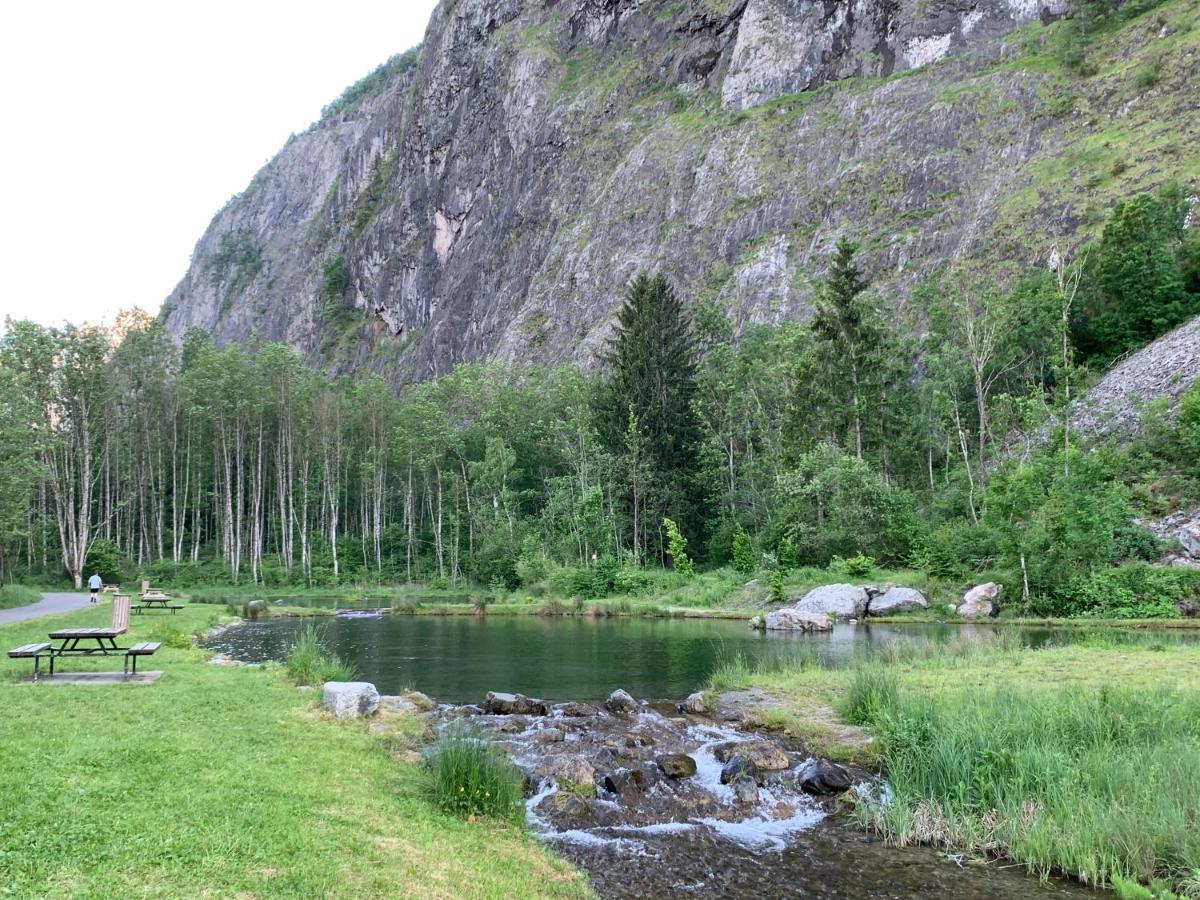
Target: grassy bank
(1082,759)
(13,595)
(221,781)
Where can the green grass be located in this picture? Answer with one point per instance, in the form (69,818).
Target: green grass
(307,663)
(226,781)
(1083,759)
(469,777)
(13,595)
(1100,784)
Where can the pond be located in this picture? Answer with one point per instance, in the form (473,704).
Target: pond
(458,659)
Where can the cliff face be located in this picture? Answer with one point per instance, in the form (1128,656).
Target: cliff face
(491,200)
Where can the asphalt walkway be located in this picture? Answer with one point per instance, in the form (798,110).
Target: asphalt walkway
(47,606)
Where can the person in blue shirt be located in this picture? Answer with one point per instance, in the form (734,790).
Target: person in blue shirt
(94,585)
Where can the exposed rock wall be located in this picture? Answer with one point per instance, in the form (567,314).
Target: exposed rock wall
(491,201)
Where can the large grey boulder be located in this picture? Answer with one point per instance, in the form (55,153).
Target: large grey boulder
(897,599)
(794,620)
(842,601)
(981,601)
(350,699)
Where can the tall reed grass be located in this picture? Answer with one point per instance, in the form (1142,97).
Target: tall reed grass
(467,776)
(307,662)
(1101,785)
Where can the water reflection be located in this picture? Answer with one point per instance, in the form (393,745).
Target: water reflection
(458,659)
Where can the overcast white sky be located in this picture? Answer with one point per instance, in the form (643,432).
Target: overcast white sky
(127,125)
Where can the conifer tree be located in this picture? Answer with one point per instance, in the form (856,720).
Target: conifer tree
(848,336)
(652,356)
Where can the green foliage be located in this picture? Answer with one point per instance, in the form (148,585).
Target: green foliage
(335,279)
(104,558)
(776,593)
(870,695)
(857,566)
(677,549)
(1134,591)
(832,503)
(307,662)
(531,565)
(12,595)
(742,552)
(373,83)
(1063,513)
(235,264)
(467,776)
(1135,284)
(1031,773)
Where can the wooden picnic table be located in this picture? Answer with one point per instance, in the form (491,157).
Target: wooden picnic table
(156,601)
(104,639)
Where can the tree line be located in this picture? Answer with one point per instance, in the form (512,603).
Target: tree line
(914,433)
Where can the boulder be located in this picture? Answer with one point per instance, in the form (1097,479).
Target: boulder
(624,785)
(842,601)
(740,766)
(574,775)
(500,704)
(646,777)
(694,704)
(1189,539)
(350,699)
(980,602)
(745,790)
(676,765)
(549,736)
(766,756)
(757,624)
(620,701)
(823,778)
(897,599)
(795,620)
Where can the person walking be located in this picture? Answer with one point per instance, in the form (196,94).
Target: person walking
(94,585)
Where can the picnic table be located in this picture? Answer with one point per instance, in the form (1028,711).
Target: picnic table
(101,641)
(156,600)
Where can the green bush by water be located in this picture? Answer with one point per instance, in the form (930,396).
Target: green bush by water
(1102,785)
(469,777)
(307,663)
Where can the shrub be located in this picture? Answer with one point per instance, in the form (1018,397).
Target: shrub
(677,548)
(742,552)
(307,664)
(531,564)
(1134,591)
(469,777)
(172,637)
(776,594)
(857,566)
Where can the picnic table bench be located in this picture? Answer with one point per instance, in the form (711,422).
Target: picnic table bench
(34,652)
(147,648)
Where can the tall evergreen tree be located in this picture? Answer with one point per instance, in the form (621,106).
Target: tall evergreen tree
(849,336)
(652,356)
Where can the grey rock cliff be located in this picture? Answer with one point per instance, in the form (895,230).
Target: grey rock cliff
(490,201)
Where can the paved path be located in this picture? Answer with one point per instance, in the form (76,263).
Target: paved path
(47,606)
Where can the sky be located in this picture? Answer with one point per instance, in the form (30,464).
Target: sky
(127,125)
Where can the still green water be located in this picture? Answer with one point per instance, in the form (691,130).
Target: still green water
(459,659)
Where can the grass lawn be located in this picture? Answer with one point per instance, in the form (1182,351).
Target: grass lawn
(226,782)
(1083,759)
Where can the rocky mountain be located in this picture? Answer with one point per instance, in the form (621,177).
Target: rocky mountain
(488,197)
